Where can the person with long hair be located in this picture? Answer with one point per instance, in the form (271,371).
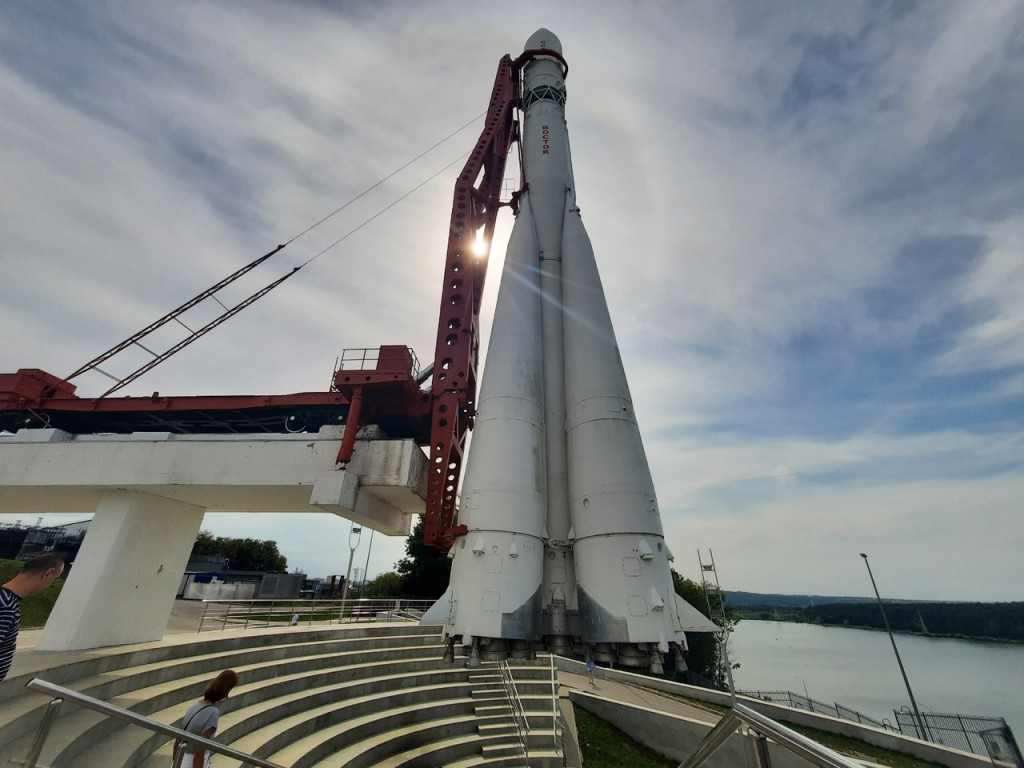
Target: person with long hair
(201,719)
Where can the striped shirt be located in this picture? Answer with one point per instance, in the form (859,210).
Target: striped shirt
(10,621)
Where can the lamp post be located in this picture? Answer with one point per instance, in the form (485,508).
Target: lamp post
(366,569)
(354,532)
(804,681)
(919,721)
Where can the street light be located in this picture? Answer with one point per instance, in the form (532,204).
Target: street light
(917,714)
(354,532)
(804,681)
(366,569)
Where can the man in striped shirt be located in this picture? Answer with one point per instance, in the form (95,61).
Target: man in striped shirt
(35,576)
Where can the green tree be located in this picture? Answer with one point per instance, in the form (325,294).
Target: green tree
(386,585)
(705,655)
(425,571)
(242,554)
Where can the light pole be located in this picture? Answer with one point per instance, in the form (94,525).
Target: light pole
(366,569)
(804,681)
(917,715)
(354,532)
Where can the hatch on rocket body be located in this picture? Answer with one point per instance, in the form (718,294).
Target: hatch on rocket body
(564,547)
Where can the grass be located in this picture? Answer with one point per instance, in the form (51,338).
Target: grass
(856,748)
(36,609)
(605,746)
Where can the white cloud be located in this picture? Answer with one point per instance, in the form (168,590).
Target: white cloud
(149,151)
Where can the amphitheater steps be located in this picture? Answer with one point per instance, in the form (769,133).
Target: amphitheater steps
(257,714)
(160,681)
(165,702)
(334,697)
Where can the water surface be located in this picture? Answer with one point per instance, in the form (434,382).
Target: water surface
(857,669)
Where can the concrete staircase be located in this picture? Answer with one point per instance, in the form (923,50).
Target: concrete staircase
(362,696)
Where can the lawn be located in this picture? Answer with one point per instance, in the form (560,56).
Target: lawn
(36,609)
(605,746)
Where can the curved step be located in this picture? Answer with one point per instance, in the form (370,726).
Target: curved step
(243,713)
(157,685)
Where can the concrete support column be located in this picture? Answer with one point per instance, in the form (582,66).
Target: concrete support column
(126,574)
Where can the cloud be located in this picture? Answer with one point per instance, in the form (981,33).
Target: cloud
(807,222)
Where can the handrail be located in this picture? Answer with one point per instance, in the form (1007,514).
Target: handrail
(518,711)
(110,710)
(813,752)
(556,731)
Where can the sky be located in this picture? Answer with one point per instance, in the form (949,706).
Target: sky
(807,217)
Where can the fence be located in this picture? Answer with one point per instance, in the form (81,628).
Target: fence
(244,614)
(988,736)
(795,700)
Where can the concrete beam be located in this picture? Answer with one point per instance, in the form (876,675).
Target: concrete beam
(150,491)
(52,471)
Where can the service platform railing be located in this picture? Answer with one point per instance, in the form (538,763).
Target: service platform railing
(761,727)
(61,694)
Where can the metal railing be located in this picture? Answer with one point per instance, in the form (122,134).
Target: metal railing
(245,614)
(61,694)
(986,736)
(797,701)
(810,750)
(556,722)
(518,710)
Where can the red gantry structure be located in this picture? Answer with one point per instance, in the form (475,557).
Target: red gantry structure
(386,388)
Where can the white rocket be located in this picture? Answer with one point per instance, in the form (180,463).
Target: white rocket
(564,547)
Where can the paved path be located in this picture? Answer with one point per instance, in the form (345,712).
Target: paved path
(631,694)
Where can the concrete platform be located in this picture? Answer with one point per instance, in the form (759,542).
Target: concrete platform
(149,493)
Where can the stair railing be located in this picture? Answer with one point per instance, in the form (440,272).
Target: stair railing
(810,750)
(518,711)
(556,721)
(61,694)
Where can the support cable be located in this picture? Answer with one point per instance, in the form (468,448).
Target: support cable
(393,173)
(173,316)
(384,210)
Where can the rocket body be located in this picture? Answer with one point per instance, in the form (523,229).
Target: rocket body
(564,545)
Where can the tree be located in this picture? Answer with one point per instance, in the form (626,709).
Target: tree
(705,656)
(242,554)
(425,571)
(386,585)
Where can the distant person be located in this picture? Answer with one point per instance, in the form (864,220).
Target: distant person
(35,576)
(591,666)
(201,719)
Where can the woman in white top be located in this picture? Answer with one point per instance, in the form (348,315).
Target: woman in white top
(201,719)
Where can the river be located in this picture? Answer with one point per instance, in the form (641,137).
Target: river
(857,669)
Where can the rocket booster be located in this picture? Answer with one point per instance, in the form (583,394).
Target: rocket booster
(564,546)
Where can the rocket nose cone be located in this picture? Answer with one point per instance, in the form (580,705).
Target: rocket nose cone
(541,39)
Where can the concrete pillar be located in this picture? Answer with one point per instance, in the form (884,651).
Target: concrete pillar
(126,574)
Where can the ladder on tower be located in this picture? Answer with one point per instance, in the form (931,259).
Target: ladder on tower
(716,611)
